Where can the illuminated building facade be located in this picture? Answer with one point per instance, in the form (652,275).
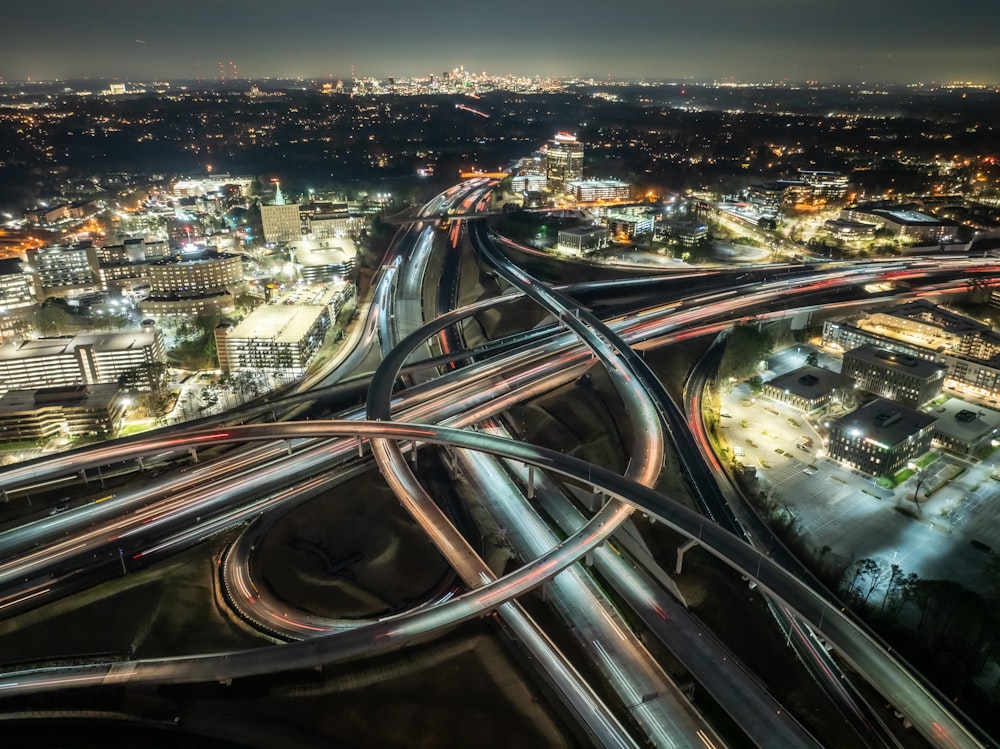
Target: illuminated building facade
(899,377)
(965,428)
(64,271)
(70,410)
(17,299)
(969,350)
(591,190)
(193,283)
(582,240)
(281,221)
(902,221)
(78,360)
(563,161)
(824,184)
(808,388)
(881,437)
(276,338)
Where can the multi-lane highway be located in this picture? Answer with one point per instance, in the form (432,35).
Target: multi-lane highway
(163,519)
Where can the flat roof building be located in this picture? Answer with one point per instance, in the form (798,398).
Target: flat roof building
(825,184)
(906,379)
(881,437)
(593,190)
(845,229)
(17,299)
(964,428)
(329,259)
(276,337)
(631,221)
(64,271)
(582,240)
(70,410)
(808,388)
(903,220)
(969,349)
(85,359)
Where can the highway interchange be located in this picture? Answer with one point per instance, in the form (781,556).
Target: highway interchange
(297,459)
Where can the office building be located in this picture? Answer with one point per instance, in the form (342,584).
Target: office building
(687,233)
(197,282)
(58,271)
(808,388)
(964,428)
(628,222)
(880,438)
(563,161)
(42,414)
(281,221)
(849,230)
(320,219)
(529,182)
(84,359)
(276,338)
(902,220)
(771,197)
(17,300)
(582,240)
(969,350)
(594,190)
(824,184)
(908,380)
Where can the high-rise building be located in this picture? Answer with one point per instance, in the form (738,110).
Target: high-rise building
(563,160)
(280,219)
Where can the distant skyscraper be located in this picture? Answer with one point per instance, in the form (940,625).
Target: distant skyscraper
(563,160)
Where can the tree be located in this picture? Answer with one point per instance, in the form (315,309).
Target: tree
(746,345)
(812,359)
(878,573)
(866,576)
(51,319)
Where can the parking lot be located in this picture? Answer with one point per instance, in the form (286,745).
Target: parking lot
(944,536)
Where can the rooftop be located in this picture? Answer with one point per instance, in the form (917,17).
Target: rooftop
(965,421)
(810,382)
(79,396)
(281,323)
(883,422)
(30,348)
(313,252)
(898,362)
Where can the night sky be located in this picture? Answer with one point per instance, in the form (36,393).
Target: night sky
(747,40)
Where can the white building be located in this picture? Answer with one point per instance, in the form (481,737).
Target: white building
(75,360)
(279,338)
(591,190)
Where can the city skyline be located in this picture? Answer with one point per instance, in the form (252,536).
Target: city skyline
(774,40)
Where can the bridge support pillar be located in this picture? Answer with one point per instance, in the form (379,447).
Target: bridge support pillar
(531,482)
(680,555)
(193,452)
(83,476)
